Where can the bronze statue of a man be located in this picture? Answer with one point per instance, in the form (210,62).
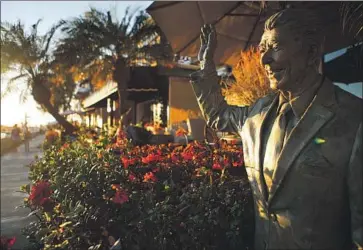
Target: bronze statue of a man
(302,143)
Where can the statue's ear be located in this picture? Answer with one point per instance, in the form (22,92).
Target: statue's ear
(314,54)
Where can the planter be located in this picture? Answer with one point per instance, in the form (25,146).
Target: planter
(196,127)
(161,139)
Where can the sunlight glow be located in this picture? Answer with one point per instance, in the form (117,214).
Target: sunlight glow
(13,111)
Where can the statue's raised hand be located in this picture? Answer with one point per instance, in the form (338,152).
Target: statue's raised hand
(208,45)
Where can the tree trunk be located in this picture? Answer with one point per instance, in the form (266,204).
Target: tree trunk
(69,128)
(42,96)
(121,75)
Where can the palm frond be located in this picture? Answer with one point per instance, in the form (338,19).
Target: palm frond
(48,37)
(352,18)
(10,87)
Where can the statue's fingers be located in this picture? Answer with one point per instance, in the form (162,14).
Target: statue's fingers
(213,32)
(212,28)
(203,35)
(212,39)
(203,39)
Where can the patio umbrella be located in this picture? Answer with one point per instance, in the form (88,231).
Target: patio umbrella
(238,24)
(347,68)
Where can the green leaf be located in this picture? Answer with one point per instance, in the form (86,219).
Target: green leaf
(47,216)
(33,212)
(25,188)
(65,224)
(91,170)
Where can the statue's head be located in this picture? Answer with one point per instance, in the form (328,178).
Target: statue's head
(291,47)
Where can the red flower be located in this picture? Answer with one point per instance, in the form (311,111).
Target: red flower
(116,187)
(65,146)
(217,166)
(234,142)
(149,177)
(155,170)
(225,162)
(174,158)
(127,162)
(187,155)
(150,158)
(120,134)
(120,197)
(132,177)
(7,242)
(39,193)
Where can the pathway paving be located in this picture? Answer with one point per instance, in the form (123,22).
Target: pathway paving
(14,174)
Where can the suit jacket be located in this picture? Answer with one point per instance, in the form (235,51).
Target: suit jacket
(316,197)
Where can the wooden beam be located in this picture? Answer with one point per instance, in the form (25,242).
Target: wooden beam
(177,72)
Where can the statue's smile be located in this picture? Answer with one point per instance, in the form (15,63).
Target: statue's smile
(274,73)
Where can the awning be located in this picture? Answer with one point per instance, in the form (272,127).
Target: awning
(143,80)
(101,94)
(71,112)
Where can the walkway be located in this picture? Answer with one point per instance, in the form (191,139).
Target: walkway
(14,174)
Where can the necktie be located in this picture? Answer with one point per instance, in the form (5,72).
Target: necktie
(275,143)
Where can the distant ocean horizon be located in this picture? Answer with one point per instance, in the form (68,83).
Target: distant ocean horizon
(4,135)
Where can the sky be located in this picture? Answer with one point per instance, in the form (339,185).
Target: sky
(12,111)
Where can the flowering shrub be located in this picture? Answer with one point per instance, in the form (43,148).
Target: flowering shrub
(251,80)
(51,137)
(95,196)
(6,243)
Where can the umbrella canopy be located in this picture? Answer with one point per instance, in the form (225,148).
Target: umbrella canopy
(347,68)
(238,24)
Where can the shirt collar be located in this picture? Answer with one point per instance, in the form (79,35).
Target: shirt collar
(300,103)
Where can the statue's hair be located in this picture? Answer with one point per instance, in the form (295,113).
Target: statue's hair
(305,23)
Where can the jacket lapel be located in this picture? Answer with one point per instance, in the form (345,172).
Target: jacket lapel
(317,115)
(259,139)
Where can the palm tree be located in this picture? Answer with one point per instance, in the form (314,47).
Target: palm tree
(352,19)
(104,48)
(28,55)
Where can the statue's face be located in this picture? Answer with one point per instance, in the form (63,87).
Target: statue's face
(284,58)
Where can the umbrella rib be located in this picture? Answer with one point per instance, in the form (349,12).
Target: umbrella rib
(200,11)
(231,37)
(215,22)
(163,6)
(253,29)
(240,14)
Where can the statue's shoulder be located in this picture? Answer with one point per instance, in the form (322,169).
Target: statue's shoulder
(349,103)
(347,99)
(263,102)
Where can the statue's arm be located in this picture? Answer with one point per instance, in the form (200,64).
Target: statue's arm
(217,113)
(355,189)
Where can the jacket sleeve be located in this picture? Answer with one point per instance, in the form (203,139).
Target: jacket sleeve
(355,189)
(217,113)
